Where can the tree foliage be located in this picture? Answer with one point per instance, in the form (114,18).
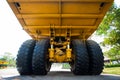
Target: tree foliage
(9,58)
(110,28)
(107,21)
(113,53)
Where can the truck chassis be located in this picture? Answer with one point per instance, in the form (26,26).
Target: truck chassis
(60,30)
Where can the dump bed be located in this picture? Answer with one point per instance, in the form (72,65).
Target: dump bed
(81,17)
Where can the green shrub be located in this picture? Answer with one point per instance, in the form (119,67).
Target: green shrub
(66,66)
(112,65)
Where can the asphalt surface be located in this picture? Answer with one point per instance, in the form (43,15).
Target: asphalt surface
(12,74)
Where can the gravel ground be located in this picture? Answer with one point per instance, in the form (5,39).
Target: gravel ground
(62,74)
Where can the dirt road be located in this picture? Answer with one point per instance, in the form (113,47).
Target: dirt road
(12,74)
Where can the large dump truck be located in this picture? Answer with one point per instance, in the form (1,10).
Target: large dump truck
(60,30)
(3,63)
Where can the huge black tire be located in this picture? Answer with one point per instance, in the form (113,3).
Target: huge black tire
(96,57)
(40,63)
(80,64)
(24,57)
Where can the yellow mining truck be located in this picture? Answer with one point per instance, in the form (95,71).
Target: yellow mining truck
(60,30)
(3,63)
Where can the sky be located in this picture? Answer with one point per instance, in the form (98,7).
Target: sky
(11,33)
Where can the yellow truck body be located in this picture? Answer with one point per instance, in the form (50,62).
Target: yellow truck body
(60,30)
(81,16)
(3,64)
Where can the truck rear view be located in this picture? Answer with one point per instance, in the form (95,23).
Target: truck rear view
(60,30)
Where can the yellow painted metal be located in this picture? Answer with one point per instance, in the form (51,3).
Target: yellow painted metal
(51,55)
(68,54)
(2,62)
(82,16)
(60,59)
(57,55)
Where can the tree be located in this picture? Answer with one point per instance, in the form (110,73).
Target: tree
(7,56)
(110,28)
(113,53)
(10,59)
(104,27)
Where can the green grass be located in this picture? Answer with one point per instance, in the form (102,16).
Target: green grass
(107,70)
(112,70)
